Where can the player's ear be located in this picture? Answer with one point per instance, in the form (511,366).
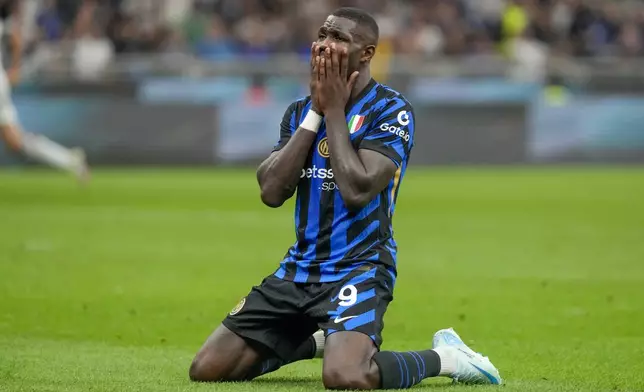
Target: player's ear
(367,53)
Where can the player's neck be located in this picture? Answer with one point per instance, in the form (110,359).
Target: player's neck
(363,80)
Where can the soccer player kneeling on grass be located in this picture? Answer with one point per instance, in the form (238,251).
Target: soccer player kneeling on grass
(345,149)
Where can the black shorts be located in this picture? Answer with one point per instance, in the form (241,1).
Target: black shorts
(281,314)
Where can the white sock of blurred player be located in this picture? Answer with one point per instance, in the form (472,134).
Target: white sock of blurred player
(43,150)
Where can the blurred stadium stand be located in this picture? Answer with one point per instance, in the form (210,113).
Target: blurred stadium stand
(493,81)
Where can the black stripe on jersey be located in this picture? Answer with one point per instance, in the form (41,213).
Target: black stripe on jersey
(383,214)
(384,150)
(385,257)
(291,270)
(359,226)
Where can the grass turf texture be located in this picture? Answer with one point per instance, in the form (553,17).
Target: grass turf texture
(115,287)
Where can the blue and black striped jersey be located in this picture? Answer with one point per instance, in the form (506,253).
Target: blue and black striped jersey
(331,240)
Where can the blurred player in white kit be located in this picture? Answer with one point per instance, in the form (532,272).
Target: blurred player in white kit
(36,147)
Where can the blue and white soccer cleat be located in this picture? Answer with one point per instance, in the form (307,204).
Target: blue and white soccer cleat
(471,367)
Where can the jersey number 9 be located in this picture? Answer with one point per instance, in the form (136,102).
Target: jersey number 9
(348,295)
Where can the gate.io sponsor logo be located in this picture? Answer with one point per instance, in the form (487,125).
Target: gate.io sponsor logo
(395,130)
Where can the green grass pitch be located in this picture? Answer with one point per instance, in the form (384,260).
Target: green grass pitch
(114,287)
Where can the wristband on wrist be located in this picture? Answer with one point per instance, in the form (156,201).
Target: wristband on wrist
(311,122)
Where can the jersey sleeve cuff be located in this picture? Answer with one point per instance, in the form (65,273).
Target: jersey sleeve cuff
(386,151)
(280,145)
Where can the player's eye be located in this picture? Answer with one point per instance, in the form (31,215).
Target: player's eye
(339,37)
(321,36)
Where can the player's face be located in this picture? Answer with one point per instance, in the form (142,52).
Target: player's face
(342,32)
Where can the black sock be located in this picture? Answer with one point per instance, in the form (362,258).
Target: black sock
(305,351)
(404,370)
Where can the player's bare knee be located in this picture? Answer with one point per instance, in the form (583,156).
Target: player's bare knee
(208,369)
(202,370)
(11,138)
(195,372)
(352,377)
(210,366)
(224,357)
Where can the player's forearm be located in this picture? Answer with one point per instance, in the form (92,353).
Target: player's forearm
(351,175)
(279,175)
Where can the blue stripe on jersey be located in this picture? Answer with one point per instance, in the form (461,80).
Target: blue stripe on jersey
(293,124)
(364,318)
(392,273)
(302,272)
(341,224)
(280,273)
(391,246)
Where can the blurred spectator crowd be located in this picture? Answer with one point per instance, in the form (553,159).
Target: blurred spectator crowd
(219,29)
(526,31)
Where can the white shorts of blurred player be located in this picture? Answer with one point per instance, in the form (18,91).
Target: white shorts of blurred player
(37,147)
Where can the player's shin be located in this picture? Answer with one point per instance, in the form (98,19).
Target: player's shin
(405,369)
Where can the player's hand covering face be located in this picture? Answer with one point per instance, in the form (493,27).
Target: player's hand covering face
(314,82)
(335,82)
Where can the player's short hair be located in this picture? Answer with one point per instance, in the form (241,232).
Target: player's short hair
(363,19)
